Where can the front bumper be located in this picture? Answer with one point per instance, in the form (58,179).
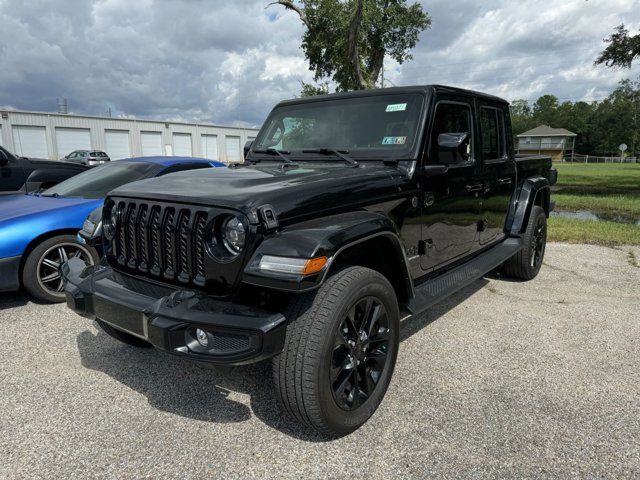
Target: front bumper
(236,334)
(10,274)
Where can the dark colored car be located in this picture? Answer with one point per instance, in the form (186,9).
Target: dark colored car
(30,174)
(90,158)
(353,211)
(38,230)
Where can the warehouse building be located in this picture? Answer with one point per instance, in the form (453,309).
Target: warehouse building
(54,135)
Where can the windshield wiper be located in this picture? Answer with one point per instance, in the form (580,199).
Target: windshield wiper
(343,154)
(54,195)
(272,151)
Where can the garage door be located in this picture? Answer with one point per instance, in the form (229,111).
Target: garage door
(182,144)
(70,139)
(117,142)
(151,143)
(210,146)
(232,145)
(30,141)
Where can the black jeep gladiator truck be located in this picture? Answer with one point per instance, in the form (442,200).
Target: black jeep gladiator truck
(351,211)
(22,174)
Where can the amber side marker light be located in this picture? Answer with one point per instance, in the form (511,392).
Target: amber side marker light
(314,265)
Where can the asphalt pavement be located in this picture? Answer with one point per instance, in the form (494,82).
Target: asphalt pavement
(505,379)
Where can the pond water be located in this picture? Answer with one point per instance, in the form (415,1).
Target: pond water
(589,215)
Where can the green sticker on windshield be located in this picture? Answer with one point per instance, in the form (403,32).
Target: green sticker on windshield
(396,107)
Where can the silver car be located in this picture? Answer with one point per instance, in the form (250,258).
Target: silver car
(88,157)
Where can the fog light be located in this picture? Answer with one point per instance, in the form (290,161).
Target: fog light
(202,337)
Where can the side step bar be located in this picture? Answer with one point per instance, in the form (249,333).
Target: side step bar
(433,291)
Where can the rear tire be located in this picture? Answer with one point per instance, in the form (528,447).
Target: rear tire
(340,351)
(526,264)
(122,336)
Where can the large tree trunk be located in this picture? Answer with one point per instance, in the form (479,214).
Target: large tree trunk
(354,54)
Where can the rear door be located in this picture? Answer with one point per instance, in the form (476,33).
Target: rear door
(451,199)
(498,172)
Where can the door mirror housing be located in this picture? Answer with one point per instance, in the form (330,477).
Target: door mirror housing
(3,159)
(247,147)
(454,147)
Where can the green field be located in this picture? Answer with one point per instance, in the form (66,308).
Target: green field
(603,189)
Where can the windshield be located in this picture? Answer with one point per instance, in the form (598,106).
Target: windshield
(379,126)
(98,181)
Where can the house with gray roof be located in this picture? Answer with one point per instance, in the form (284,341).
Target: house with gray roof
(545,140)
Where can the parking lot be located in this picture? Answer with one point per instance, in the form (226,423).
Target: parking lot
(505,379)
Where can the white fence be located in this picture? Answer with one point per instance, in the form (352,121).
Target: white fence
(577,158)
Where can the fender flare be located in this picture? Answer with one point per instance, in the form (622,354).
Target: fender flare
(535,190)
(331,237)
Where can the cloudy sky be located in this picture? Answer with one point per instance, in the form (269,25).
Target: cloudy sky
(229,61)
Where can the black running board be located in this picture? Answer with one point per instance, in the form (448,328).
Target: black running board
(433,291)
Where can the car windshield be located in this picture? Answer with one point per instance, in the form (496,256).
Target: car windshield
(376,127)
(98,181)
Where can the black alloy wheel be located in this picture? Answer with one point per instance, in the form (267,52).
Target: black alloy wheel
(360,353)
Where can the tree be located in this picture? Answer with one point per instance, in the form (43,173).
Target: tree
(521,119)
(347,40)
(622,50)
(545,110)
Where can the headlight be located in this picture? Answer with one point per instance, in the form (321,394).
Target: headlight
(233,235)
(110,222)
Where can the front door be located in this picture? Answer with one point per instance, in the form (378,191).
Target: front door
(12,175)
(452,190)
(499,173)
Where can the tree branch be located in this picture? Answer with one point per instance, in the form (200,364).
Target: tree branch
(289,5)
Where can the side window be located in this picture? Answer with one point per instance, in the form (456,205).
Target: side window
(492,131)
(452,134)
(182,168)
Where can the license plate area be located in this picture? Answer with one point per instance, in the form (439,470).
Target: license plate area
(120,316)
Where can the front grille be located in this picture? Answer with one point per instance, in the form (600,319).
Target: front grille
(166,242)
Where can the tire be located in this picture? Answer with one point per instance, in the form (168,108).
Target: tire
(40,274)
(307,384)
(526,264)
(123,336)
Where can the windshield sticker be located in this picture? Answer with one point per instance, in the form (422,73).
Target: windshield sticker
(394,140)
(396,107)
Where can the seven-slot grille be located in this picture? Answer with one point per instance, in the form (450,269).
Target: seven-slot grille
(160,240)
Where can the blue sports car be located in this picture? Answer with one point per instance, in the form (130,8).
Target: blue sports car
(38,231)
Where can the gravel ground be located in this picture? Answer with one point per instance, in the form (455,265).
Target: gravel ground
(505,379)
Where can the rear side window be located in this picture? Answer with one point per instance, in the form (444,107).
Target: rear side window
(492,132)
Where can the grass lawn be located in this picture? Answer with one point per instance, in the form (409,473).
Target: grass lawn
(602,189)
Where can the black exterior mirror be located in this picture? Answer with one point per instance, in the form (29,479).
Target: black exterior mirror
(3,159)
(454,147)
(247,147)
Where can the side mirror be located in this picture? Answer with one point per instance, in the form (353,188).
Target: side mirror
(3,159)
(452,140)
(454,147)
(247,147)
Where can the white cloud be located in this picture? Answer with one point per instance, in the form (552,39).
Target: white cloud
(229,62)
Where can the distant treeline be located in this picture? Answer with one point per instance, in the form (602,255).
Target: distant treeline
(601,126)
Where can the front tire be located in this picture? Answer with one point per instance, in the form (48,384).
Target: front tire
(340,351)
(41,274)
(526,264)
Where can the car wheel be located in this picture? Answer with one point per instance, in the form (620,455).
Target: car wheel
(123,336)
(340,351)
(41,274)
(526,264)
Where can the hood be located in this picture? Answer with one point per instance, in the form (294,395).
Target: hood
(292,190)
(43,162)
(26,217)
(20,205)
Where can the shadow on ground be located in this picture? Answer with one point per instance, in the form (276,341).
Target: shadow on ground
(15,299)
(204,393)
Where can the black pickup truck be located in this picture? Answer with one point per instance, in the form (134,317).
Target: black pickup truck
(22,174)
(352,211)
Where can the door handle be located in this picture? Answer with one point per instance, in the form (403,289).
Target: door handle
(473,188)
(504,181)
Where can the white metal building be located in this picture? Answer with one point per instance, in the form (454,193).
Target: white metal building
(54,135)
